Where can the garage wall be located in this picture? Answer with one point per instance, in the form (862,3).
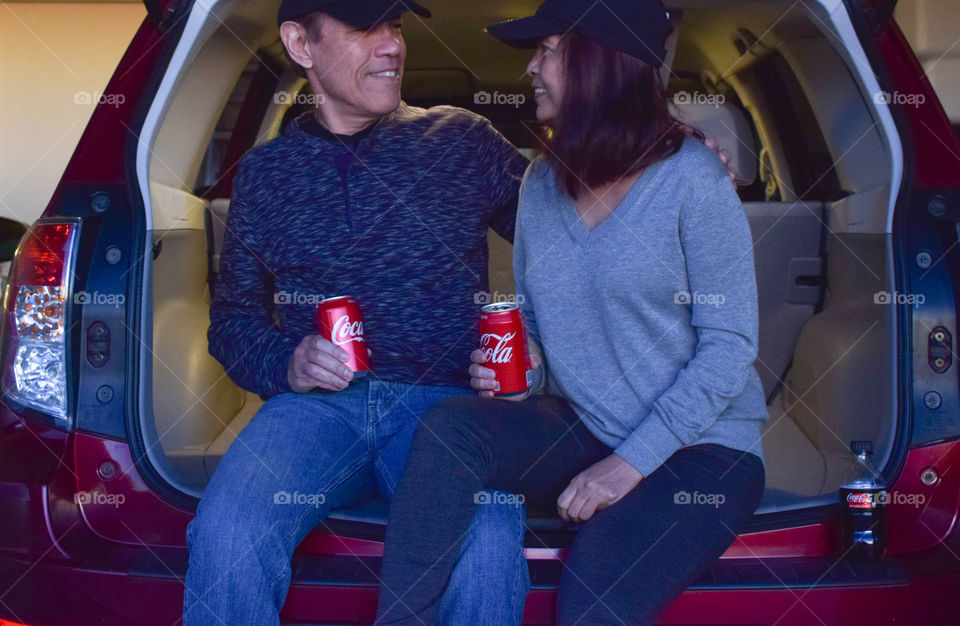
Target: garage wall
(933,29)
(55,57)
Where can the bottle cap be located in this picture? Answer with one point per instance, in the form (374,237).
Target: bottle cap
(858,447)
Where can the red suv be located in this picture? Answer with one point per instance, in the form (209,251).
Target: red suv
(114,415)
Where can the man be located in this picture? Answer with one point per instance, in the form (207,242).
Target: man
(389,204)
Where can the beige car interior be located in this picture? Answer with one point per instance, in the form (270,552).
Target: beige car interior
(827,349)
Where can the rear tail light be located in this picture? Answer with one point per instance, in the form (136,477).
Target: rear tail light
(36,314)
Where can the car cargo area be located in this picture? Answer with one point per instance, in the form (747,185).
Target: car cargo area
(765,79)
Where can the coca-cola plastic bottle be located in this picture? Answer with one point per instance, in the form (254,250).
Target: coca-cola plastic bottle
(863,497)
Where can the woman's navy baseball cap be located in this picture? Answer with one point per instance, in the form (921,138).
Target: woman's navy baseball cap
(359,13)
(636,27)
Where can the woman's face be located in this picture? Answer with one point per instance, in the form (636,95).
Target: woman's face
(546,69)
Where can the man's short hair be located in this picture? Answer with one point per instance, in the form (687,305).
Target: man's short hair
(313,24)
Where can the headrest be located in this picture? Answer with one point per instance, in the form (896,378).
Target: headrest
(727,125)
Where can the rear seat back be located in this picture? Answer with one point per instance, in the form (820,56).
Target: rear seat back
(789,268)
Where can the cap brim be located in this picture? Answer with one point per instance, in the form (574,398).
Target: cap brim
(526,32)
(367,14)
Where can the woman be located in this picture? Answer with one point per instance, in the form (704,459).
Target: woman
(634,259)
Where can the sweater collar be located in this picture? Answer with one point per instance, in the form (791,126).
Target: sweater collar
(306,128)
(310,125)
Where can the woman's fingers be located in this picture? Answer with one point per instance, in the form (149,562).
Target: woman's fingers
(564,501)
(583,505)
(590,506)
(479,371)
(576,505)
(482,384)
(579,502)
(482,379)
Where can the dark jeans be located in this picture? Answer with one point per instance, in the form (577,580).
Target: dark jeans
(627,562)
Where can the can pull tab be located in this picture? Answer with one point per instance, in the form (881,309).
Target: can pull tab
(939,355)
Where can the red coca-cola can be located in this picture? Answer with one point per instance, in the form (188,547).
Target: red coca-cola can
(339,320)
(503,341)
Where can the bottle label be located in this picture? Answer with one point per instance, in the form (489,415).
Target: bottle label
(860,500)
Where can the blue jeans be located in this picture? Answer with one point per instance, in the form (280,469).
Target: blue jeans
(305,454)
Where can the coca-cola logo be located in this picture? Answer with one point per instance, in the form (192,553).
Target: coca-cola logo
(345,331)
(499,352)
(861,500)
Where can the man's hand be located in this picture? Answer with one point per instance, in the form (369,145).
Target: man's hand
(483,379)
(318,363)
(725,157)
(601,485)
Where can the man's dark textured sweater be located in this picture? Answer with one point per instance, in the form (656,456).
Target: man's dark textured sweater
(398,220)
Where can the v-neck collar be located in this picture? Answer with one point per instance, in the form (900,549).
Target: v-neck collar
(575,226)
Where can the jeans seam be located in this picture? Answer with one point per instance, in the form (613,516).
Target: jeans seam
(523,583)
(279,574)
(391,484)
(340,479)
(371,416)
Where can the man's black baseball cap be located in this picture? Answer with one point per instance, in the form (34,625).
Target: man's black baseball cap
(359,13)
(636,27)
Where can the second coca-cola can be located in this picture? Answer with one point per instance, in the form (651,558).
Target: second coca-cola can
(503,342)
(339,320)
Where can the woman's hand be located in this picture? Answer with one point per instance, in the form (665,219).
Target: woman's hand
(601,485)
(483,379)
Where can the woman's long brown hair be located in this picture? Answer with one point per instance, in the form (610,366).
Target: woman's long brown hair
(613,119)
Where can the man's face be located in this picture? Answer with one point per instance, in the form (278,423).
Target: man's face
(359,70)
